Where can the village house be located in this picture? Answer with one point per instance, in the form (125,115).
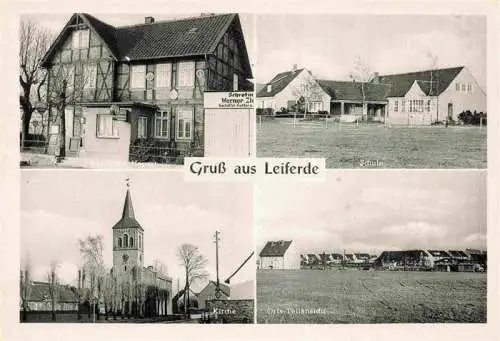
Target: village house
(425,97)
(279,254)
(38,298)
(415,98)
(208,293)
(286,88)
(136,92)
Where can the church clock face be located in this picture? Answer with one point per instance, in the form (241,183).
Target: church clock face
(125,258)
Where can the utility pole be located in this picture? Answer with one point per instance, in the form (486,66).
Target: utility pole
(217,289)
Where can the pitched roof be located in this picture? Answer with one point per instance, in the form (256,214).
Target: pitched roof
(39,291)
(275,248)
(128,217)
(278,83)
(193,36)
(401,83)
(353,91)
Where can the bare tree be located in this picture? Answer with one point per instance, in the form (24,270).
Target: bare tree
(69,84)
(53,283)
(362,73)
(194,266)
(308,91)
(91,249)
(34,41)
(108,290)
(25,286)
(160,272)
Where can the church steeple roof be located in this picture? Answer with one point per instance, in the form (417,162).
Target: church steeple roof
(128,217)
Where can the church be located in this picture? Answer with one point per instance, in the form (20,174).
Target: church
(141,291)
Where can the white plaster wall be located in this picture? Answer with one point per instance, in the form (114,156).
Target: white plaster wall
(475,100)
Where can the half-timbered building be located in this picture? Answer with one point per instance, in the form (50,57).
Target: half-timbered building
(132,91)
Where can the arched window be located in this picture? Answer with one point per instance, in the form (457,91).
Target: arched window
(131,242)
(140,242)
(119,242)
(125,240)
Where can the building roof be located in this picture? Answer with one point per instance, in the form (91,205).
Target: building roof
(39,292)
(401,83)
(275,248)
(185,37)
(278,83)
(128,217)
(353,91)
(226,290)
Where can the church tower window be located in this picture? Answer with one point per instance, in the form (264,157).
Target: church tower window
(119,242)
(131,242)
(125,240)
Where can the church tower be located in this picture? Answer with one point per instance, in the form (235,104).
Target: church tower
(128,252)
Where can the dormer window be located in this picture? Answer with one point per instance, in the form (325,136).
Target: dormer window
(269,88)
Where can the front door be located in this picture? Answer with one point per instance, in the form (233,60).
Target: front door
(450,111)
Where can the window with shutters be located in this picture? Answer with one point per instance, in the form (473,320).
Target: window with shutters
(184,125)
(106,126)
(163,75)
(186,74)
(138,77)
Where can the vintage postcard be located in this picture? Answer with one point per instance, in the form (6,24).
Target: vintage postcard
(373,91)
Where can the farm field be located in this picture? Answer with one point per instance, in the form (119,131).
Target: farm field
(345,145)
(353,296)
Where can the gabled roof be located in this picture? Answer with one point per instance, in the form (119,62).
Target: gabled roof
(226,290)
(275,248)
(278,83)
(353,91)
(39,291)
(128,217)
(186,37)
(401,83)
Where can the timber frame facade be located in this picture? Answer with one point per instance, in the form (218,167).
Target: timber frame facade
(140,86)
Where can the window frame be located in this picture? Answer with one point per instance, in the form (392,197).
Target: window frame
(162,116)
(134,74)
(182,69)
(168,75)
(144,126)
(396,105)
(114,127)
(182,115)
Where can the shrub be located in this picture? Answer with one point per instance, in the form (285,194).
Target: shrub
(152,150)
(469,118)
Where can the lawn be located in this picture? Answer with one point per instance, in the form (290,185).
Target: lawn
(354,296)
(346,145)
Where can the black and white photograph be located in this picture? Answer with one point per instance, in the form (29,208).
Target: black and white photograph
(373,247)
(141,247)
(372,91)
(129,91)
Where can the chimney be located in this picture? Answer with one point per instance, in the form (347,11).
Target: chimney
(294,67)
(376,78)
(149,20)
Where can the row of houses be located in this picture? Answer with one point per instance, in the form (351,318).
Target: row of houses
(282,254)
(416,98)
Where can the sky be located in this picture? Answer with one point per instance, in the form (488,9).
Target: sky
(328,45)
(60,207)
(372,211)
